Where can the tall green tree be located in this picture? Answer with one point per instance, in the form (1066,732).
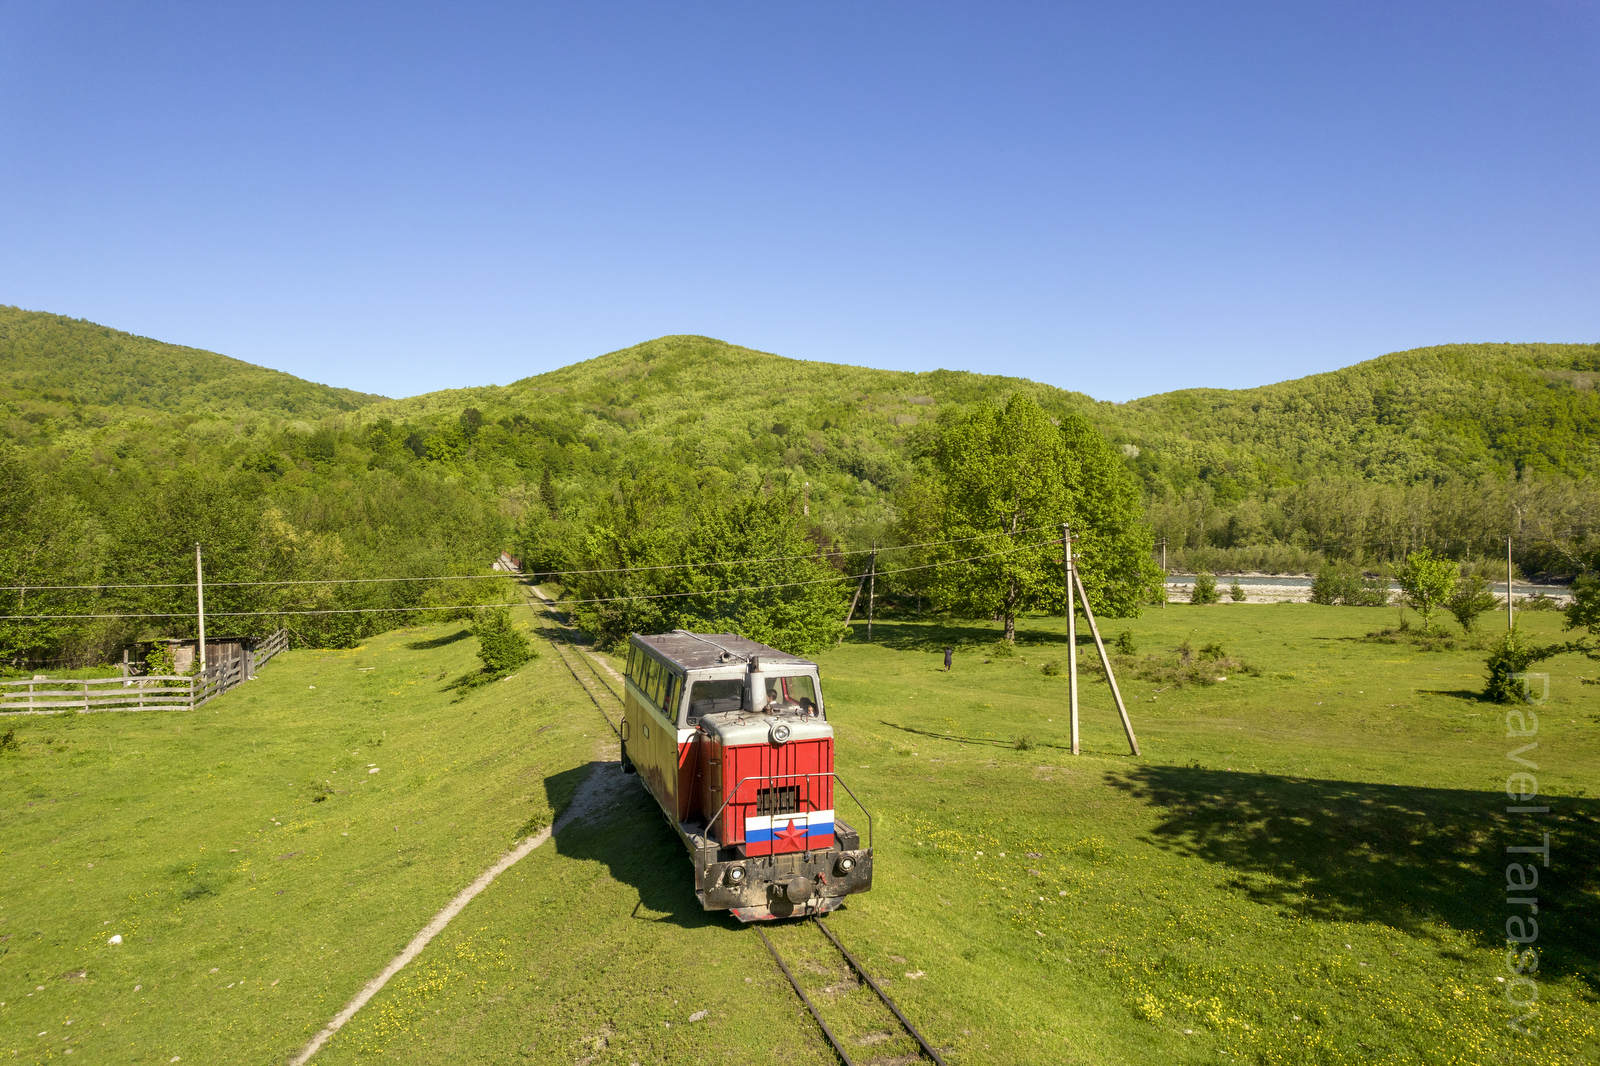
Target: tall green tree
(46,539)
(652,561)
(1116,545)
(1426,581)
(1001,484)
(998,494)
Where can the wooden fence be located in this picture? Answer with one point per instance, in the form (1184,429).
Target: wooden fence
(136,693)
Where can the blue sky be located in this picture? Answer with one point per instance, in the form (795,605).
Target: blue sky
(1119,198)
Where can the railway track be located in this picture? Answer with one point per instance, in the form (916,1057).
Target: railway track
(860,1011)
(561,641)
(863,1021)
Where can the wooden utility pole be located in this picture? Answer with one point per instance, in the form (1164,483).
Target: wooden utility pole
(1072,637)
(1510,622)
(200,608)
(1105,661)
(1163,573)
(1075,584)
(851,613)
(872,589)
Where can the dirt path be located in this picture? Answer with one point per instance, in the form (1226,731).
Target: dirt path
(600,788)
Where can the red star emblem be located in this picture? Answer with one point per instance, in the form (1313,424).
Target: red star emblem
(791,835)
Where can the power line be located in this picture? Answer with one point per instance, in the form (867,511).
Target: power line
(475,606)
(479,577)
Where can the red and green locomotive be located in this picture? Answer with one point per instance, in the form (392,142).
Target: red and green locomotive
(732,739)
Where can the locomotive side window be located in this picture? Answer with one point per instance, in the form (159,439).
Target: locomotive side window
(794,692)
(711,697)
(652,681)
(674,696)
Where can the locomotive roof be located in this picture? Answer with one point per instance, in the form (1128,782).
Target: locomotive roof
(703,651)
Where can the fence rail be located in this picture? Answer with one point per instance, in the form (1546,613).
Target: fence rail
(167,692)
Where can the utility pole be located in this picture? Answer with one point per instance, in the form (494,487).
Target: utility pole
(1163,573)
(872,588)
(1509,620)
(1072,637)
(200,608)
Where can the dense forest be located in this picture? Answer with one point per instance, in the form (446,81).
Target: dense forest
(121,452)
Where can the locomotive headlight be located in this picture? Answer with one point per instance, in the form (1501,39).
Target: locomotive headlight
(846,864)
(780,733)
(735,875)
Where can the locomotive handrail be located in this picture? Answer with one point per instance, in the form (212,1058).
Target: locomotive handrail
(819,773)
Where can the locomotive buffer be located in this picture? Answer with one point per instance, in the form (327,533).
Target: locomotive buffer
(732,739)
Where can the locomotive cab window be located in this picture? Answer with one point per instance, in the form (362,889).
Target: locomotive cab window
(713,697)
(792,694)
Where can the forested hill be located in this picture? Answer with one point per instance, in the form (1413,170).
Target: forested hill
(1425,415)
(51,365)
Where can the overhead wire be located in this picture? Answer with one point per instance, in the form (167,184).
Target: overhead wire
(469,607)
(529,573)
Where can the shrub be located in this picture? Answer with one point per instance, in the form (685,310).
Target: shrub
(1236,590)
(1327,588)
(1213,651)
(1024,742)
(1472,598)
(158,662)
(1051,668)
(1205,588)
(1348,588)
(1125,644)
(1426,581)
(8,739)
(1513,656)
(501,646)
(1003,649)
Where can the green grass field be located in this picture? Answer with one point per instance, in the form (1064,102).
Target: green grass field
(1305,865)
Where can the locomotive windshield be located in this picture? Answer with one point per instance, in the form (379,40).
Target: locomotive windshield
(711,697)
(793,694)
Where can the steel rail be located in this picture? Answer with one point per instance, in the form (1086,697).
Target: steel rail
(855,964)
(547,626)
(865,976)
(834,1040)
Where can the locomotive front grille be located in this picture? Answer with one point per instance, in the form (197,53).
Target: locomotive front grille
(771,801)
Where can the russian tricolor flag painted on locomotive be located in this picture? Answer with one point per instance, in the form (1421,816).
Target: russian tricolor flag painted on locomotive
(766,834)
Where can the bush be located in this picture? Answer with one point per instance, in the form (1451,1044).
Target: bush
(1472,598)
(1426,581)
(1125,644)
(8,740)
(501,646)
(1513,656)
(1346,587)
(1024,742)
(158,661)
(1205,588)
(1051,668)
(1236,590)
(1003,650)
(1213,651)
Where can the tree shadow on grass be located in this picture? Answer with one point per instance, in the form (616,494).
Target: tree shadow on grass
(438,642)
(968,637)
(1405,856)
(990,742)
(632,839)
